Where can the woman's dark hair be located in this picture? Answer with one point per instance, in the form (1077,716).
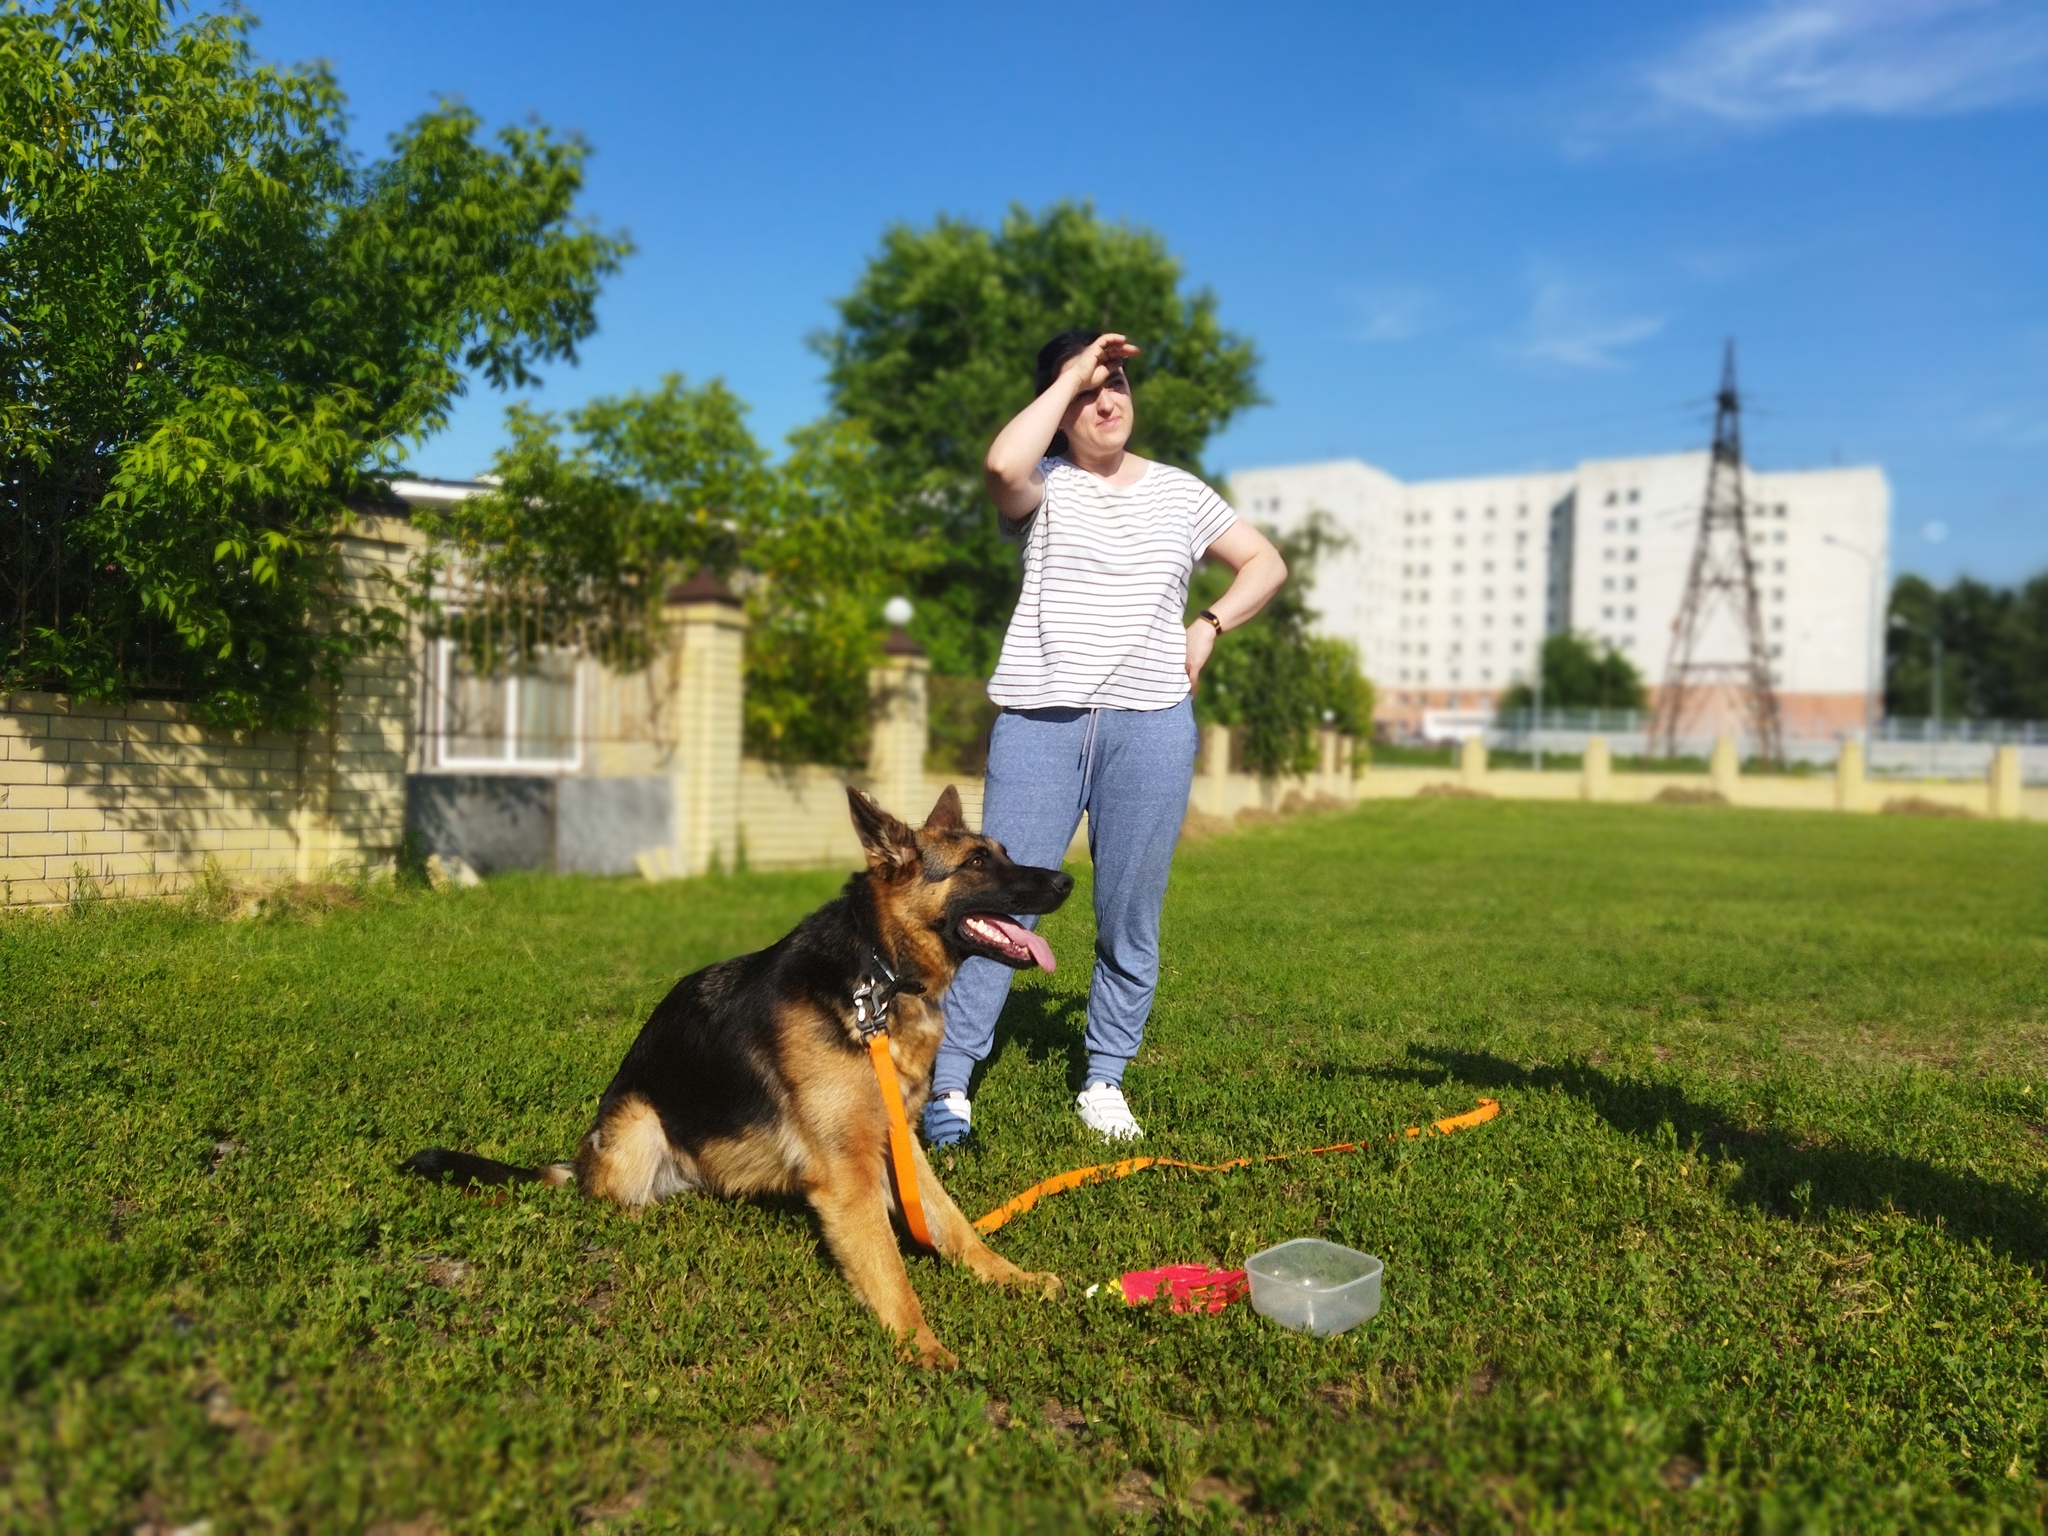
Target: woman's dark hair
(1052,357)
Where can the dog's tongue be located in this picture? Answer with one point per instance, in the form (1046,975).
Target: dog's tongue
(1017,933)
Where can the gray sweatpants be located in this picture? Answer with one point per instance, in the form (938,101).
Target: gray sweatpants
(1130,770)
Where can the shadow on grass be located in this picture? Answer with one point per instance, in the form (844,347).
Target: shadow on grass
(1043,1024)
(1781,1174)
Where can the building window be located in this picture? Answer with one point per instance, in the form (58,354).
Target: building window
(1610,498)
(524,718)
(1634,496)
(1630,555)
(1777,650)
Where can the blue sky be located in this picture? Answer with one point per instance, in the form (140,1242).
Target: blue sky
(1466,238)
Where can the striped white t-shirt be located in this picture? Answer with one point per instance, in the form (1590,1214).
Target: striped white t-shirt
(1099,622)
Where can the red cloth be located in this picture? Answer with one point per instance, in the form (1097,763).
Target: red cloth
(1189,1287)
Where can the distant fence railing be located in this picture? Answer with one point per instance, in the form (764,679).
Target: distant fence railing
(1630,722)
(1995,733)
(1589,722)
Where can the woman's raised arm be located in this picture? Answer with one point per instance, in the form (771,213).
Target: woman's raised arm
(1011,469)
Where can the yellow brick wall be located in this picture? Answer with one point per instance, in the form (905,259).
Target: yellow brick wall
(137,797)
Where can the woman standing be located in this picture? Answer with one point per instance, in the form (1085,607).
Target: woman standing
(1095,682)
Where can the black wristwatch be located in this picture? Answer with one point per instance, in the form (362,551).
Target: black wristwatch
(1214,622)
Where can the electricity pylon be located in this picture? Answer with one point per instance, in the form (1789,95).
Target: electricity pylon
(1723,577)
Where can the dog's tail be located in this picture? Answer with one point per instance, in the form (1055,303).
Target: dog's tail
(440,1163)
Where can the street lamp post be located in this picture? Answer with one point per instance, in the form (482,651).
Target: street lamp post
(1875,630)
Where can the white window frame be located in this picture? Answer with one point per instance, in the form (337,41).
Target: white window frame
(444,651)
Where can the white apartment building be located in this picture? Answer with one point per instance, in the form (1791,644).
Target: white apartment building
(1447,586)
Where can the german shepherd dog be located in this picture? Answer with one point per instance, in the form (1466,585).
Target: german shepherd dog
(751,1078)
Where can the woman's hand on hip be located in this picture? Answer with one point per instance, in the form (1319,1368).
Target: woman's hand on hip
(1201,644)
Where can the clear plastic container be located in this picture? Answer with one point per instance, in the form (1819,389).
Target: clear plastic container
(1314,1286)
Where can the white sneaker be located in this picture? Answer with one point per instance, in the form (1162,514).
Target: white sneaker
(948,1119)
(1104,1112)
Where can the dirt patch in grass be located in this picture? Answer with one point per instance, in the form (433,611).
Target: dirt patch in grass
(1135,1493)
(1920,805)
(1682,794)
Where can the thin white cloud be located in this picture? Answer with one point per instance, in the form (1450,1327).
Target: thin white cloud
(1567,328)
(1390,312)
(2016,426)
(1794,59)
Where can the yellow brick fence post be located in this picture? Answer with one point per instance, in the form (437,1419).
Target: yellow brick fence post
(1595,769)
(1849,777)
(1472,763)
(900,726)
(1724,768)
(710,629)
(2002,791)
(1212,773)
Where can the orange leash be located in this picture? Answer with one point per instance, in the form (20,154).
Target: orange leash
(1074,1178)
(899,1137)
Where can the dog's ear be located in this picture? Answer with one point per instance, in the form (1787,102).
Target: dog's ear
(888,844)
(946,816)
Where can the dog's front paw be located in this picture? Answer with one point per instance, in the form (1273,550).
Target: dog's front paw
(925,1350)
(1048,1285)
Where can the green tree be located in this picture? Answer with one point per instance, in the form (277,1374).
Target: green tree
(934,352)
(822,560)
(1994,649)
(594,516)
(1273,681)
(215,323)
(1579,675)
(597,513)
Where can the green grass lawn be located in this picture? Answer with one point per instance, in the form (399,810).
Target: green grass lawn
(1757,1240)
